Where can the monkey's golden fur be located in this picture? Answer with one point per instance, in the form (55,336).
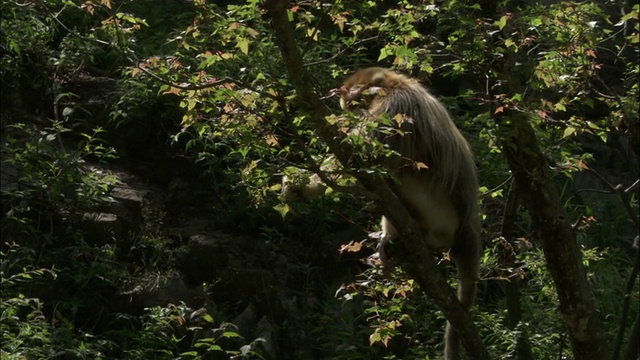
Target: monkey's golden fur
(442,196)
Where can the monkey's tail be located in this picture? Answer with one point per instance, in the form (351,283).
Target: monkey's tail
(466,254)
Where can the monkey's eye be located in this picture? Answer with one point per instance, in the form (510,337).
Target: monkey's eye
(352,93)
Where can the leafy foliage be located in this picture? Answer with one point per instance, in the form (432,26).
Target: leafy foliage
(207,77)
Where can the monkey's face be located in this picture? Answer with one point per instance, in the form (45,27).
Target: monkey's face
(361,88)
(358,96)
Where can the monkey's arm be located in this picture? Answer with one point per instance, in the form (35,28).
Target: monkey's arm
(317,185)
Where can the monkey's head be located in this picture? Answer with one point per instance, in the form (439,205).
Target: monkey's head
(361,88)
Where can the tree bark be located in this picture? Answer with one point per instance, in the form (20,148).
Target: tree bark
(554,230)
(419,262)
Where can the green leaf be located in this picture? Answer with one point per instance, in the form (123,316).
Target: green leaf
(502,22)
(283,209)
(536,21)
(231,334)
(385,52)
(374,338)
(509,42)
(568,131)
(208,318)
(243,45)
(559,107)
(189,353)
(191,103)
(313,33)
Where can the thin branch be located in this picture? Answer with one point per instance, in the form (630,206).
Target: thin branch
(501,185)
(633,187)
(619,189)
(597,191)
(74,33)
(185,87)
(341,51)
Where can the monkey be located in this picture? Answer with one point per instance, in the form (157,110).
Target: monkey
(434,172)
(442,193)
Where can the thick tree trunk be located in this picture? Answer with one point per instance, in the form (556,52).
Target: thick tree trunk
(420,262)
(564,259)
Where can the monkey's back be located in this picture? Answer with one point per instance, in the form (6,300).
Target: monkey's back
(431,137)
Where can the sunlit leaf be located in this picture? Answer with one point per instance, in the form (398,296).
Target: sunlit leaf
(243,45)
(231,334)
(570,130)
(509,43)
(271,140)
(173,90)
(283,209)
(208,318)
(374,338)
(353,246)
(502,22)
(559,107)
(252,32)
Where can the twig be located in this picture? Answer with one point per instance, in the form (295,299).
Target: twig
(497,187)
(341,51)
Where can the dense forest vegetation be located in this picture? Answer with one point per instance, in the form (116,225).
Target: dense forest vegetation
(143,148)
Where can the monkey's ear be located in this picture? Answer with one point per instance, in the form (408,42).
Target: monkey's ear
(378,77)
